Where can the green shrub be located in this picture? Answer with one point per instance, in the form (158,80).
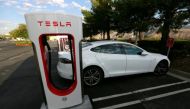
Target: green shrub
(179,49)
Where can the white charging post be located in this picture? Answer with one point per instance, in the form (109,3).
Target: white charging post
(41,28)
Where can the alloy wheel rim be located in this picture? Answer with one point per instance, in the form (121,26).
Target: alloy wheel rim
(92,77)
(162,69)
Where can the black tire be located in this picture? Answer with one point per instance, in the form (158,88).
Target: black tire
(92,76)
(161,68)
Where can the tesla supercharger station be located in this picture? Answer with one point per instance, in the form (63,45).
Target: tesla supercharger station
(62,42)
(42,27)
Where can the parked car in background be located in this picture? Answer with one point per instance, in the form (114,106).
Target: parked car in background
(104,59)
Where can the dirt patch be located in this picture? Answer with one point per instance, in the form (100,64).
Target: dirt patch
(182,63)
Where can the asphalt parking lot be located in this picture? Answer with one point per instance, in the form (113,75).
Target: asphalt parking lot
(22,90)
(145,91)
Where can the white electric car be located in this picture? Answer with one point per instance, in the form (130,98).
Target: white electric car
(104,59)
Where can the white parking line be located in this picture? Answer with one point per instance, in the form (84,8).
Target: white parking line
(136,91)
(146,99)
(178,76)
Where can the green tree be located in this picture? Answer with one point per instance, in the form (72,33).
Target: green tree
(170,14)
(99,18)
(89,26)
(133,15)
(20,31)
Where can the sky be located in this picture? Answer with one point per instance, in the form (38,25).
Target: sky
(12,11)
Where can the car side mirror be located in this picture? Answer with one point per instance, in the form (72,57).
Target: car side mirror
(142,53)
(139,53)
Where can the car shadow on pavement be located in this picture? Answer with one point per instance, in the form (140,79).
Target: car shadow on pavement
(22,89)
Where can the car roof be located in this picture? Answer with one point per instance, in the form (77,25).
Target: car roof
(107,42)
(98,43)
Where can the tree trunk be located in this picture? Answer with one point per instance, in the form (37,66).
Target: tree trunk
(165,34)
(90,37)
(139,35)
(103,34)
(136,37)
(108,34)
(108,28)
(165,31)
(108,31)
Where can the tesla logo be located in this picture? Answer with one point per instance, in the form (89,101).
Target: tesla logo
(54,23)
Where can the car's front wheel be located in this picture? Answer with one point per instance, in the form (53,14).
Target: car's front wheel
(161,68)
(92,76)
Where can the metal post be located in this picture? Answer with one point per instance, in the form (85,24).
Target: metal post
(168,52)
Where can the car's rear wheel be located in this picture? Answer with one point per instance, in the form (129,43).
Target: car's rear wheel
(92,76)
(161,68)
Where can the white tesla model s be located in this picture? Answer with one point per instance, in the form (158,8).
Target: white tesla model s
(104,59)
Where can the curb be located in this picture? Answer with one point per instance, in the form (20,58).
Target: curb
(180,74)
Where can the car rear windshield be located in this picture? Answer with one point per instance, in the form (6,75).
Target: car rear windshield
(86,44)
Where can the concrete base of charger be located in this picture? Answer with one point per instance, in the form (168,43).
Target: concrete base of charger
(86,104)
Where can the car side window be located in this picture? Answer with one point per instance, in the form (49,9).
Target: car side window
(109,49)
(131,50)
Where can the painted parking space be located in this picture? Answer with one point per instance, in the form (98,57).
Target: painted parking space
(138,92)
(22,90)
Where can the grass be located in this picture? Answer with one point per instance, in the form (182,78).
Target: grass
(23,43)
(182,63)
